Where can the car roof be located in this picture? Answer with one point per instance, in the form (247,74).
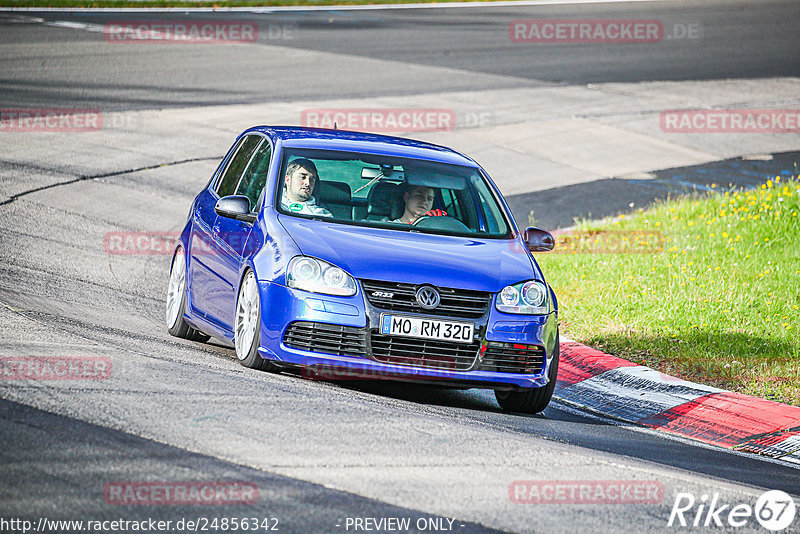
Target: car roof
(320,138)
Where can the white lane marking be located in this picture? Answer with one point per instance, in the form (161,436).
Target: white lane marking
(273,9)
(85,26)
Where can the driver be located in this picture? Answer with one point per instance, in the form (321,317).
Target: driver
(418,203)
(298,186)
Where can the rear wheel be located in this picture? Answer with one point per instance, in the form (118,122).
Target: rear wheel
(533,400)
(176,301)
(247,330)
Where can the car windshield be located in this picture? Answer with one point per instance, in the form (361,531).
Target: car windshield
(389,192)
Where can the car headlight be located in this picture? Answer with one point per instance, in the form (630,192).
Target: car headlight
(317,276)
(525,297)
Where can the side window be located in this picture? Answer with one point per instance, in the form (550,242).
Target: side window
(491,222)
(255,176)
(227,185)
(495,222)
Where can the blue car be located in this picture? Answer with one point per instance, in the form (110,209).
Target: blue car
(358,256)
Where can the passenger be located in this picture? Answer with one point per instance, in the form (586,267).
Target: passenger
(418,202)
(298,189)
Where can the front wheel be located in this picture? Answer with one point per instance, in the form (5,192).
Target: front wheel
(247,330)
(533,400)
(176,301)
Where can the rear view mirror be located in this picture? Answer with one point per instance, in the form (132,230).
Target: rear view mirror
(539,240)
(235,207)
(442,181)
(370,173)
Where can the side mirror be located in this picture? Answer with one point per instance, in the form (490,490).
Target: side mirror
(539,240)
(235,207)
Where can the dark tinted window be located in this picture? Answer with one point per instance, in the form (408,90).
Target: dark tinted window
(227,185)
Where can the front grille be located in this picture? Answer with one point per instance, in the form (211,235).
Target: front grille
(327,338)
(513,358)
(454,302)
(423,352)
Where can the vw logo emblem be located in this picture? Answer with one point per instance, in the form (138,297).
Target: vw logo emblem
(428,297)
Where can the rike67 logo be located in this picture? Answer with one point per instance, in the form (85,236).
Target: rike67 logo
(774,510)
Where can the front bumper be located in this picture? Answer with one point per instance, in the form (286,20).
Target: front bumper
(337,338)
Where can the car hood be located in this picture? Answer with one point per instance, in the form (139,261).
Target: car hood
(411,257)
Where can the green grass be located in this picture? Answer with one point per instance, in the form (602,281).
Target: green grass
(203,3)
(719,303)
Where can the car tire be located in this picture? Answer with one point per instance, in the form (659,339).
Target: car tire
(176,301)
(247,325)
(533,400)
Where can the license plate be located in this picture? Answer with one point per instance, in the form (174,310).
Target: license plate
(394,325)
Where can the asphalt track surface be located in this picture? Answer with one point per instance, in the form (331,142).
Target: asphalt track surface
(740,39)
(318,452)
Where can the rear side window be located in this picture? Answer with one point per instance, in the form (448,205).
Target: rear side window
(230,179)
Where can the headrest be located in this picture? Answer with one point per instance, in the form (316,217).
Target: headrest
(336,192)
(383,200)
